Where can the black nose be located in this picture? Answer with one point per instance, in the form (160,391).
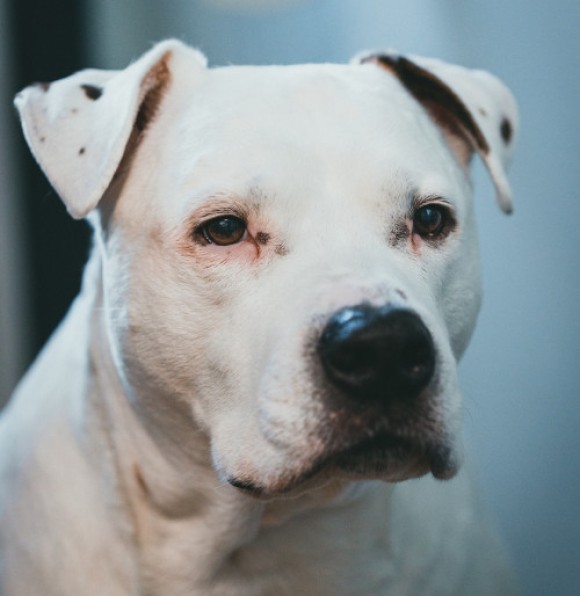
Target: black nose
(377,353)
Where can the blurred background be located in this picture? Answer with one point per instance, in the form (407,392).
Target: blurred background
(521,374)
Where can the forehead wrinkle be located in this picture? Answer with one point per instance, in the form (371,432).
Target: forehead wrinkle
(399,184)
(224,200)
(256,197)
(394,194)
(407,187)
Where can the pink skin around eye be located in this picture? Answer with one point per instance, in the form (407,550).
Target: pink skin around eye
(415,240)
(249,248)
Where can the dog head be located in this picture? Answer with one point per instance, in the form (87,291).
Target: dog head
(289,251)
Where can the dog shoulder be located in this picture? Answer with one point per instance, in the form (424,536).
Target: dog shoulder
(51,501)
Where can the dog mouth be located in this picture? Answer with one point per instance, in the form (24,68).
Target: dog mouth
(393,458)
(384,456)
(375,373)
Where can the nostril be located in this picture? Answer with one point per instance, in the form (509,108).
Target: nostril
(352,362)
(417,358)
(374,352)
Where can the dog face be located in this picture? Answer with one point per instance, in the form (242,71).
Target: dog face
(289,251)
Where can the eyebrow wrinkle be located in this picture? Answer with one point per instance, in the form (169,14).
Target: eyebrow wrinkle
(257,197)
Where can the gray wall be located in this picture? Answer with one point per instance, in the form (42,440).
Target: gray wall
(13,322)
(521,374)
(521,380)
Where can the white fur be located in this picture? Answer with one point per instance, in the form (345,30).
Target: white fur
(181,366)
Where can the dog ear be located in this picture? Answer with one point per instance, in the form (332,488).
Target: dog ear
(78,128)
(475,111)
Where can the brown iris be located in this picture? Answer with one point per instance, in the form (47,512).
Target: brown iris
(223,231)
(431,221)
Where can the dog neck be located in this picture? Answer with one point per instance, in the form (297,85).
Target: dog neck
(193,534)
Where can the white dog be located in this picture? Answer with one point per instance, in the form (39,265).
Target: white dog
(262,360)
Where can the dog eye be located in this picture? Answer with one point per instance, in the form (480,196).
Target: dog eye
(431,221)
(223,231)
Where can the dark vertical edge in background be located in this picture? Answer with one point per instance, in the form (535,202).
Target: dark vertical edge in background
(50,42)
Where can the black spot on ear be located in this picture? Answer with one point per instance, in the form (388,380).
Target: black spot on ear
(482,112)
(81,151)
(42,85)
(506,130)
(42,139)
(92,91)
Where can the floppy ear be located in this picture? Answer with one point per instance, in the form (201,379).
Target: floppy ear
(475,111)
(78,128)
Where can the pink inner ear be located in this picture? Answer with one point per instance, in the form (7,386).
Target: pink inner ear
(458,139)
(460,129)
(156,83)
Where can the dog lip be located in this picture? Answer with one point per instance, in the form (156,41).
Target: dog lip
(379,443)
(246,486)
(443,463)
(379,453)
(382,456)
(384,453)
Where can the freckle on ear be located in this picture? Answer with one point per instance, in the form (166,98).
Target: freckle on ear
(92,91)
